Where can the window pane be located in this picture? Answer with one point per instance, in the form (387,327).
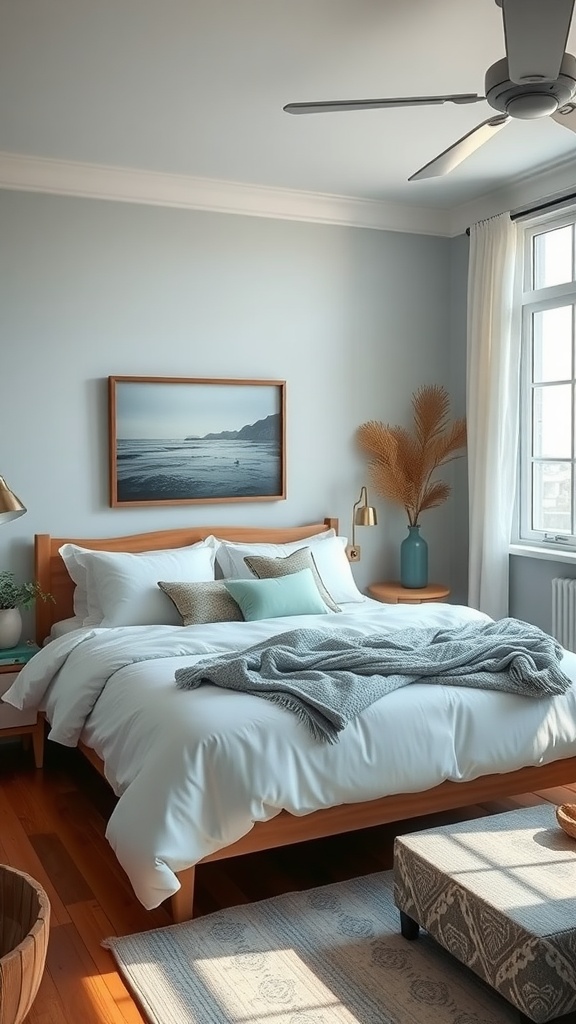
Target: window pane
(552,422)
(553,257)
(552,497)
(552,346)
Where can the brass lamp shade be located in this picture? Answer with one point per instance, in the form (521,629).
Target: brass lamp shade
(363,514)
(10,506)
(366,516)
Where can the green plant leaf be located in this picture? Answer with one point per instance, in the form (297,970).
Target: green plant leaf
(19,595)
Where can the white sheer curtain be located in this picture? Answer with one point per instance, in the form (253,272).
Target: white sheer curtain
(493,354)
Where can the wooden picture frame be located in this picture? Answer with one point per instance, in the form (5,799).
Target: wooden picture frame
(196,440)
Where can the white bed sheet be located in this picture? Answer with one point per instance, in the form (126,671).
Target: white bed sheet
(195,769)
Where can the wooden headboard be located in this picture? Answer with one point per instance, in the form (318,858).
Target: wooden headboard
(51,573)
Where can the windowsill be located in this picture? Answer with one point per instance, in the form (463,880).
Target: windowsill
(550,554)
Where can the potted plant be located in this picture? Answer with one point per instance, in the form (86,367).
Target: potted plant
(13,597)
(402,465)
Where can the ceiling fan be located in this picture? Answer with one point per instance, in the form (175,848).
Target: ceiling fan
(535,79)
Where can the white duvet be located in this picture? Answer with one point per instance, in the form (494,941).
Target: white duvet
(195,769)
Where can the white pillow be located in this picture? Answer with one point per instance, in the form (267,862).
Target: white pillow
(329,555)
(118,588)
(71,556)
(230,556)
(335,571)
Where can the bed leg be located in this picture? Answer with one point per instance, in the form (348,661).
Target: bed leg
(38,743)
(182,902)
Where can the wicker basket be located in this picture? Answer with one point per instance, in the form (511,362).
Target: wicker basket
(566,816)
(24,927)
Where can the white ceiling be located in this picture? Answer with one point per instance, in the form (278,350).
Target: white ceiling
(196,88)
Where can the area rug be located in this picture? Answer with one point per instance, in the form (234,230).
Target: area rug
(331,955)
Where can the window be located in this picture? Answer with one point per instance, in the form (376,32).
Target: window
(547,498)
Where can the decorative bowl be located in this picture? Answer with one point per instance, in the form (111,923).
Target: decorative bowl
(566,817)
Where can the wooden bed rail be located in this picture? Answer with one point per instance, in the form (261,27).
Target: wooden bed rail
(285,828)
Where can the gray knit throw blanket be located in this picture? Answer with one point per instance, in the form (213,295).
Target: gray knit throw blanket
(328,679)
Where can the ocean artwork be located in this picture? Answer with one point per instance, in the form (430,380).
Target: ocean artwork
(170,469)
(184,440)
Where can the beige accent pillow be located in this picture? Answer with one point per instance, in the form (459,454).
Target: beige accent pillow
(199,603)
(273,568)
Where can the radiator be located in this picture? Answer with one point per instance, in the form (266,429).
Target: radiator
(564,612)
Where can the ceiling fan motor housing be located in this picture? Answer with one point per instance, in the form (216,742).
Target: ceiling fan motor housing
(530,99)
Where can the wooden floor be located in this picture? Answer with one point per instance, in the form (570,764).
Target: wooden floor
(52,825)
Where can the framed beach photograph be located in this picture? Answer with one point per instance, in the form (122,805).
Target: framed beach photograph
(179,440)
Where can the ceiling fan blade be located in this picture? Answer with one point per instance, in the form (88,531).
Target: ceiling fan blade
(468,144)
(536,33)
(566,116)
(399,101)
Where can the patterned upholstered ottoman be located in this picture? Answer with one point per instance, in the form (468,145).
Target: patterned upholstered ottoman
(499,893)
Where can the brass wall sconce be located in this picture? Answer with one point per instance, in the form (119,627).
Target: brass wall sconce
(363,514)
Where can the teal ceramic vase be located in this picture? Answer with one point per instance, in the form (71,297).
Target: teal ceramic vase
(414,560)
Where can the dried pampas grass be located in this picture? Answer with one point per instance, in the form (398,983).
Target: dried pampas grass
(401,463)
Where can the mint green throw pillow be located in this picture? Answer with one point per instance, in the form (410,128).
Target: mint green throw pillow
(296,594)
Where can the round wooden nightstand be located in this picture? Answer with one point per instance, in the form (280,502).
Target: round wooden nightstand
(391,592)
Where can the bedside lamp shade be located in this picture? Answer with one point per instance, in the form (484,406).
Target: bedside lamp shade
(10,506)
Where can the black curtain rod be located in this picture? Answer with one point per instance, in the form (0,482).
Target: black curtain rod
(548,204)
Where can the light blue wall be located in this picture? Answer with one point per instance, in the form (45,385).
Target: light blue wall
(531,588)
(354,320)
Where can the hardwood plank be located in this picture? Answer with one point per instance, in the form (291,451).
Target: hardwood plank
(48,1007)
(76,978)
(93,926)
(557,795)
(4,859)
(20,854)
(513,803)
(218,885)
(71,885)
(27,796)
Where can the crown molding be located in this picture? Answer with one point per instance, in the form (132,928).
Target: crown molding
(127,185)
(525,191)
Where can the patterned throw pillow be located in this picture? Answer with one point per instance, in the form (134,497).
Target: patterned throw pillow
(202,602)
(272,568)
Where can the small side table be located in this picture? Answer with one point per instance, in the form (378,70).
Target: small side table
(391,592)
(12,721)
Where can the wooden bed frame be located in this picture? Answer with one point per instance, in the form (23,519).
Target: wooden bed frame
(285,828)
